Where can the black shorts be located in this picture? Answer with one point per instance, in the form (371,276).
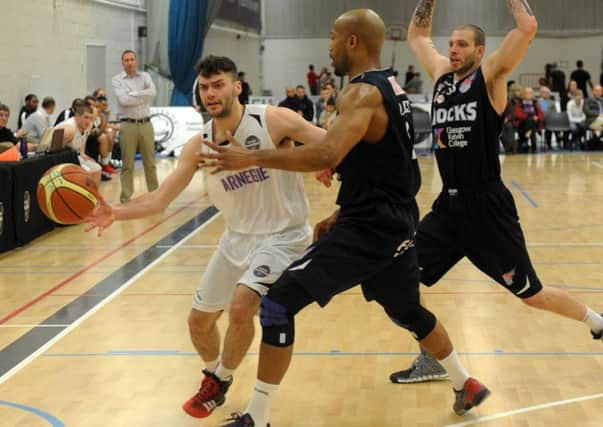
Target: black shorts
(92,147)
(484,227)
(353,252)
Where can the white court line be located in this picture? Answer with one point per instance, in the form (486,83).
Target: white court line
(598,164)
(101,304)
(527,409)
(587,244)
(33,326)
(189,246)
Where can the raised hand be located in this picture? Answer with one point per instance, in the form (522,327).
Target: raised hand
(325,177)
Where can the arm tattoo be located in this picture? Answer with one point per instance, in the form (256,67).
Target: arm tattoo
(521,6)
(424,13)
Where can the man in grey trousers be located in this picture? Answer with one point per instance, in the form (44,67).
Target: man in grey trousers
(135,91)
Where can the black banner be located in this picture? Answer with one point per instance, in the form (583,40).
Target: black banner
(8,238)
(244,12)
(30,222)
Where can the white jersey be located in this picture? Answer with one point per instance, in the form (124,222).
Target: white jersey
(257,200)
(79,138)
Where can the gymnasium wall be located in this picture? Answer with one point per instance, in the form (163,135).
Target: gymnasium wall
(285,61)
(243,47)
(43,46)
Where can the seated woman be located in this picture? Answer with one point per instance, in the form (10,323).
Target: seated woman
(530,120)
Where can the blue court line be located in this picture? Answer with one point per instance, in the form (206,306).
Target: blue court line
(583,288)
(335,352)
(54,422)
(569,227)
(180,270)
(109,267)
(525,194)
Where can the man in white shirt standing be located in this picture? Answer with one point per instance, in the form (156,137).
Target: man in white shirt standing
(135,91)
(38,122)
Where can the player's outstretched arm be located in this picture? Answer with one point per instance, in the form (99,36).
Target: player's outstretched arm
(356,104)
(499,65)
(154,202)
(284,123)
(420,42)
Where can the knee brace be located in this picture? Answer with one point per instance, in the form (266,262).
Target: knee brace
(418,320)
(278,325)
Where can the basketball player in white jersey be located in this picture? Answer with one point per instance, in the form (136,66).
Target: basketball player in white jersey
(266,217)
(76,131)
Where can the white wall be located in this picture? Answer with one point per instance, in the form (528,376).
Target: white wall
(242,47)
(43,47)
(285,61)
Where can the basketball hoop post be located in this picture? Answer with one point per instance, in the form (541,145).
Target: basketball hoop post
(395,33)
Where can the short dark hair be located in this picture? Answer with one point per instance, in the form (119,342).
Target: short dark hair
(97,91)
(331,100)
(125,52)
(89,98)
(77,102)
(479,35)
(4,107)
(48,101)
(300,87)
(30,97)
(101,98)
(82,108)
(212,65)
(311,66)
(580,63)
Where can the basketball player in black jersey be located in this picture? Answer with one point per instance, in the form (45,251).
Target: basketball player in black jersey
(475,215)
(370,240)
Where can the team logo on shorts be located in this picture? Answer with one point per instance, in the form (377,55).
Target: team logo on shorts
(261,271)
(508,277)
(252,143)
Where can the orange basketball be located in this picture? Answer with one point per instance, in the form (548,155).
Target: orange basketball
(66,194)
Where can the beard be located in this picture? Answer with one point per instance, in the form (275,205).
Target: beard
(226,109)
(468,64)
(341,68)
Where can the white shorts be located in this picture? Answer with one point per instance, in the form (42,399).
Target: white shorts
(255,261)
(88,165)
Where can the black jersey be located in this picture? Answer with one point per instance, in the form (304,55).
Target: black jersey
(466,129)
(388,171)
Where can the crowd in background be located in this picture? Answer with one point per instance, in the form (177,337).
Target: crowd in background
(577,117)
(563,111)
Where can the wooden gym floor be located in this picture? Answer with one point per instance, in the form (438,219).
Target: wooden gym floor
(94,330)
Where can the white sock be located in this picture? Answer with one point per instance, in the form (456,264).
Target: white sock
(594,320)
(259,406)
(456,371)
(223,373)
(105,160)
(212,365)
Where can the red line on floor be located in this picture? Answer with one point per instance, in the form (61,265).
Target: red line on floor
(90,266)
(179,294)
